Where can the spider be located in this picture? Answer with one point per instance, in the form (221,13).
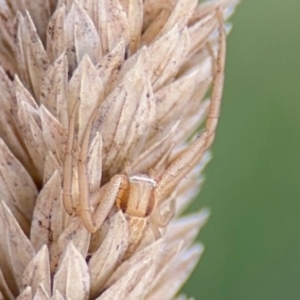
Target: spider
(139,196)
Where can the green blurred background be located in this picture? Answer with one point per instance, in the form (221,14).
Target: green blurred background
(252,239)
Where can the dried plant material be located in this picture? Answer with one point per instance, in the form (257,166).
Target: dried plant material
(81,36)
(113,246)
(181,12)
(109,67)
(26,294)
(112,23)
(100,101)
(37,273)
(134,11)
(187,226)
(57,296)
(177,274)
(79,85)
(155,154)
(17,186)
(42,231)
(169,105)
(131,96)
(51,165)
(54,88)
(134,273)
(168,257)
(72,277)
(76,233)
(56,41)
(4,288)
(53,133)
(13,244)
(7,124)
(31,55)
(41,294)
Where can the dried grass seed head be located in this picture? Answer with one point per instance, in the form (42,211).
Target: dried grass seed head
(149,67)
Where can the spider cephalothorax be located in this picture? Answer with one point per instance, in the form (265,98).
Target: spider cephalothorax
(141,190)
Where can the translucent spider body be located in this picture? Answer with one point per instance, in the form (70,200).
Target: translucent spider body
(138,199)
(137,188)
(139,196)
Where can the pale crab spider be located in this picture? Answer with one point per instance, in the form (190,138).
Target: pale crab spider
(139,196)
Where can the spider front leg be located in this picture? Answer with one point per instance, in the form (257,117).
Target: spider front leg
(157,220)
(107,195)
(188,159)
(104,199)
(218,82)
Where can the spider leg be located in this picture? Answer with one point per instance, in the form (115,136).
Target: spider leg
(105,198)
(162,221)
(189,158)
(154,228)
(86,208)
(156,220)
(217,89)
(68,165)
